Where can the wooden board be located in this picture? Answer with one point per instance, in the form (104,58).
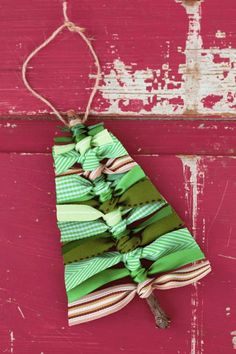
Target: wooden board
(33,301)
(172,57)
(167,90)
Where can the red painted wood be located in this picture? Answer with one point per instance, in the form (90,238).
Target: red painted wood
(140,136)
(61,71)
(143,47)
(131,38)
(33,303)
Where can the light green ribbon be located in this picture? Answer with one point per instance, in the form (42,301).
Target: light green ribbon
(170,243)
(71,231)
(70,212)
(74,188)
(122,238)
(88,152)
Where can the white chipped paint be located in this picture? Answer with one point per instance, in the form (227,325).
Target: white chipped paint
(233,334)
(8,125)
(13,111)
(190,173)
(207,127)
(194,179)
(227,311)
(19,309)
(220,34)
(230,235)
(12,339)
(225,256)
(207,83)
(196,322)
(203,230)
(219,206)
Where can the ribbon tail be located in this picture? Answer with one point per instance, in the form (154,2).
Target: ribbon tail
(183,276)
(107,301)
(65,161)
(100,304)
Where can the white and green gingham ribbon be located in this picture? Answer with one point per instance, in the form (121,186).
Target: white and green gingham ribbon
(73,230)
(88,153)
(174,241)
(74,188)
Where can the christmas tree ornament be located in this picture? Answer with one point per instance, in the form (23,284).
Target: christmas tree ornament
(120,237)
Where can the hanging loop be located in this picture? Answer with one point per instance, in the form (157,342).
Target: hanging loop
(71,26)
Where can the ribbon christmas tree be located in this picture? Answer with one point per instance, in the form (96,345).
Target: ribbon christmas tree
(112,217)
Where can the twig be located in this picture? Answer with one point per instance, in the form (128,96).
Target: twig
(161,319)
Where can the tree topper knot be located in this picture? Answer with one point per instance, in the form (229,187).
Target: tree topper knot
(73,28)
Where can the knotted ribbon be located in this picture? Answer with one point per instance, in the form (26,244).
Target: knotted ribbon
(88,151)
(140,193)
(123,239)
(167,252)
(74,188)
(110,300)
(114,166)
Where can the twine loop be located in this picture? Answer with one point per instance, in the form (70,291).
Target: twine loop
(72,27)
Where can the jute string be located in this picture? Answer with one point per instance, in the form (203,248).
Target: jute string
(71,26)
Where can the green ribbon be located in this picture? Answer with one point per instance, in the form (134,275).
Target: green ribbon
(74,188)
(88,151)
(71,231)
(142,192)
(165,264)
(169,245)
(126,240)
(129,179)
(97,223)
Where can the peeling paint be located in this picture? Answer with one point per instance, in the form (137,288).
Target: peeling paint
(190,172)
(12,339)
(194,179)
(225,256)
(8,125)
(207,84)
(227,311)
(220,34)
(233,334)
(18,307)
(219,206)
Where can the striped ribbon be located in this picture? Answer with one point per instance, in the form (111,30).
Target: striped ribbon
(108,197)
(65,156)
(111,166)
(170,243)
(74,188)
(110,300)
(71,231)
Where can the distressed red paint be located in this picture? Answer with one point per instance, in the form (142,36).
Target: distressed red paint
(142,64)
(158,60)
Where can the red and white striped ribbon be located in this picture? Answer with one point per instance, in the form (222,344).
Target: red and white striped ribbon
(107,301)
(118,165)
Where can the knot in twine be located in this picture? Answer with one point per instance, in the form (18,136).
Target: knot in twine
(72,27)
(73,117)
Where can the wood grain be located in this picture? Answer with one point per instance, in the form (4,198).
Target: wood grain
(33,299)
(158,58)
(168,92)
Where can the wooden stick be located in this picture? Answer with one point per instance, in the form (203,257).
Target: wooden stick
(161,319)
